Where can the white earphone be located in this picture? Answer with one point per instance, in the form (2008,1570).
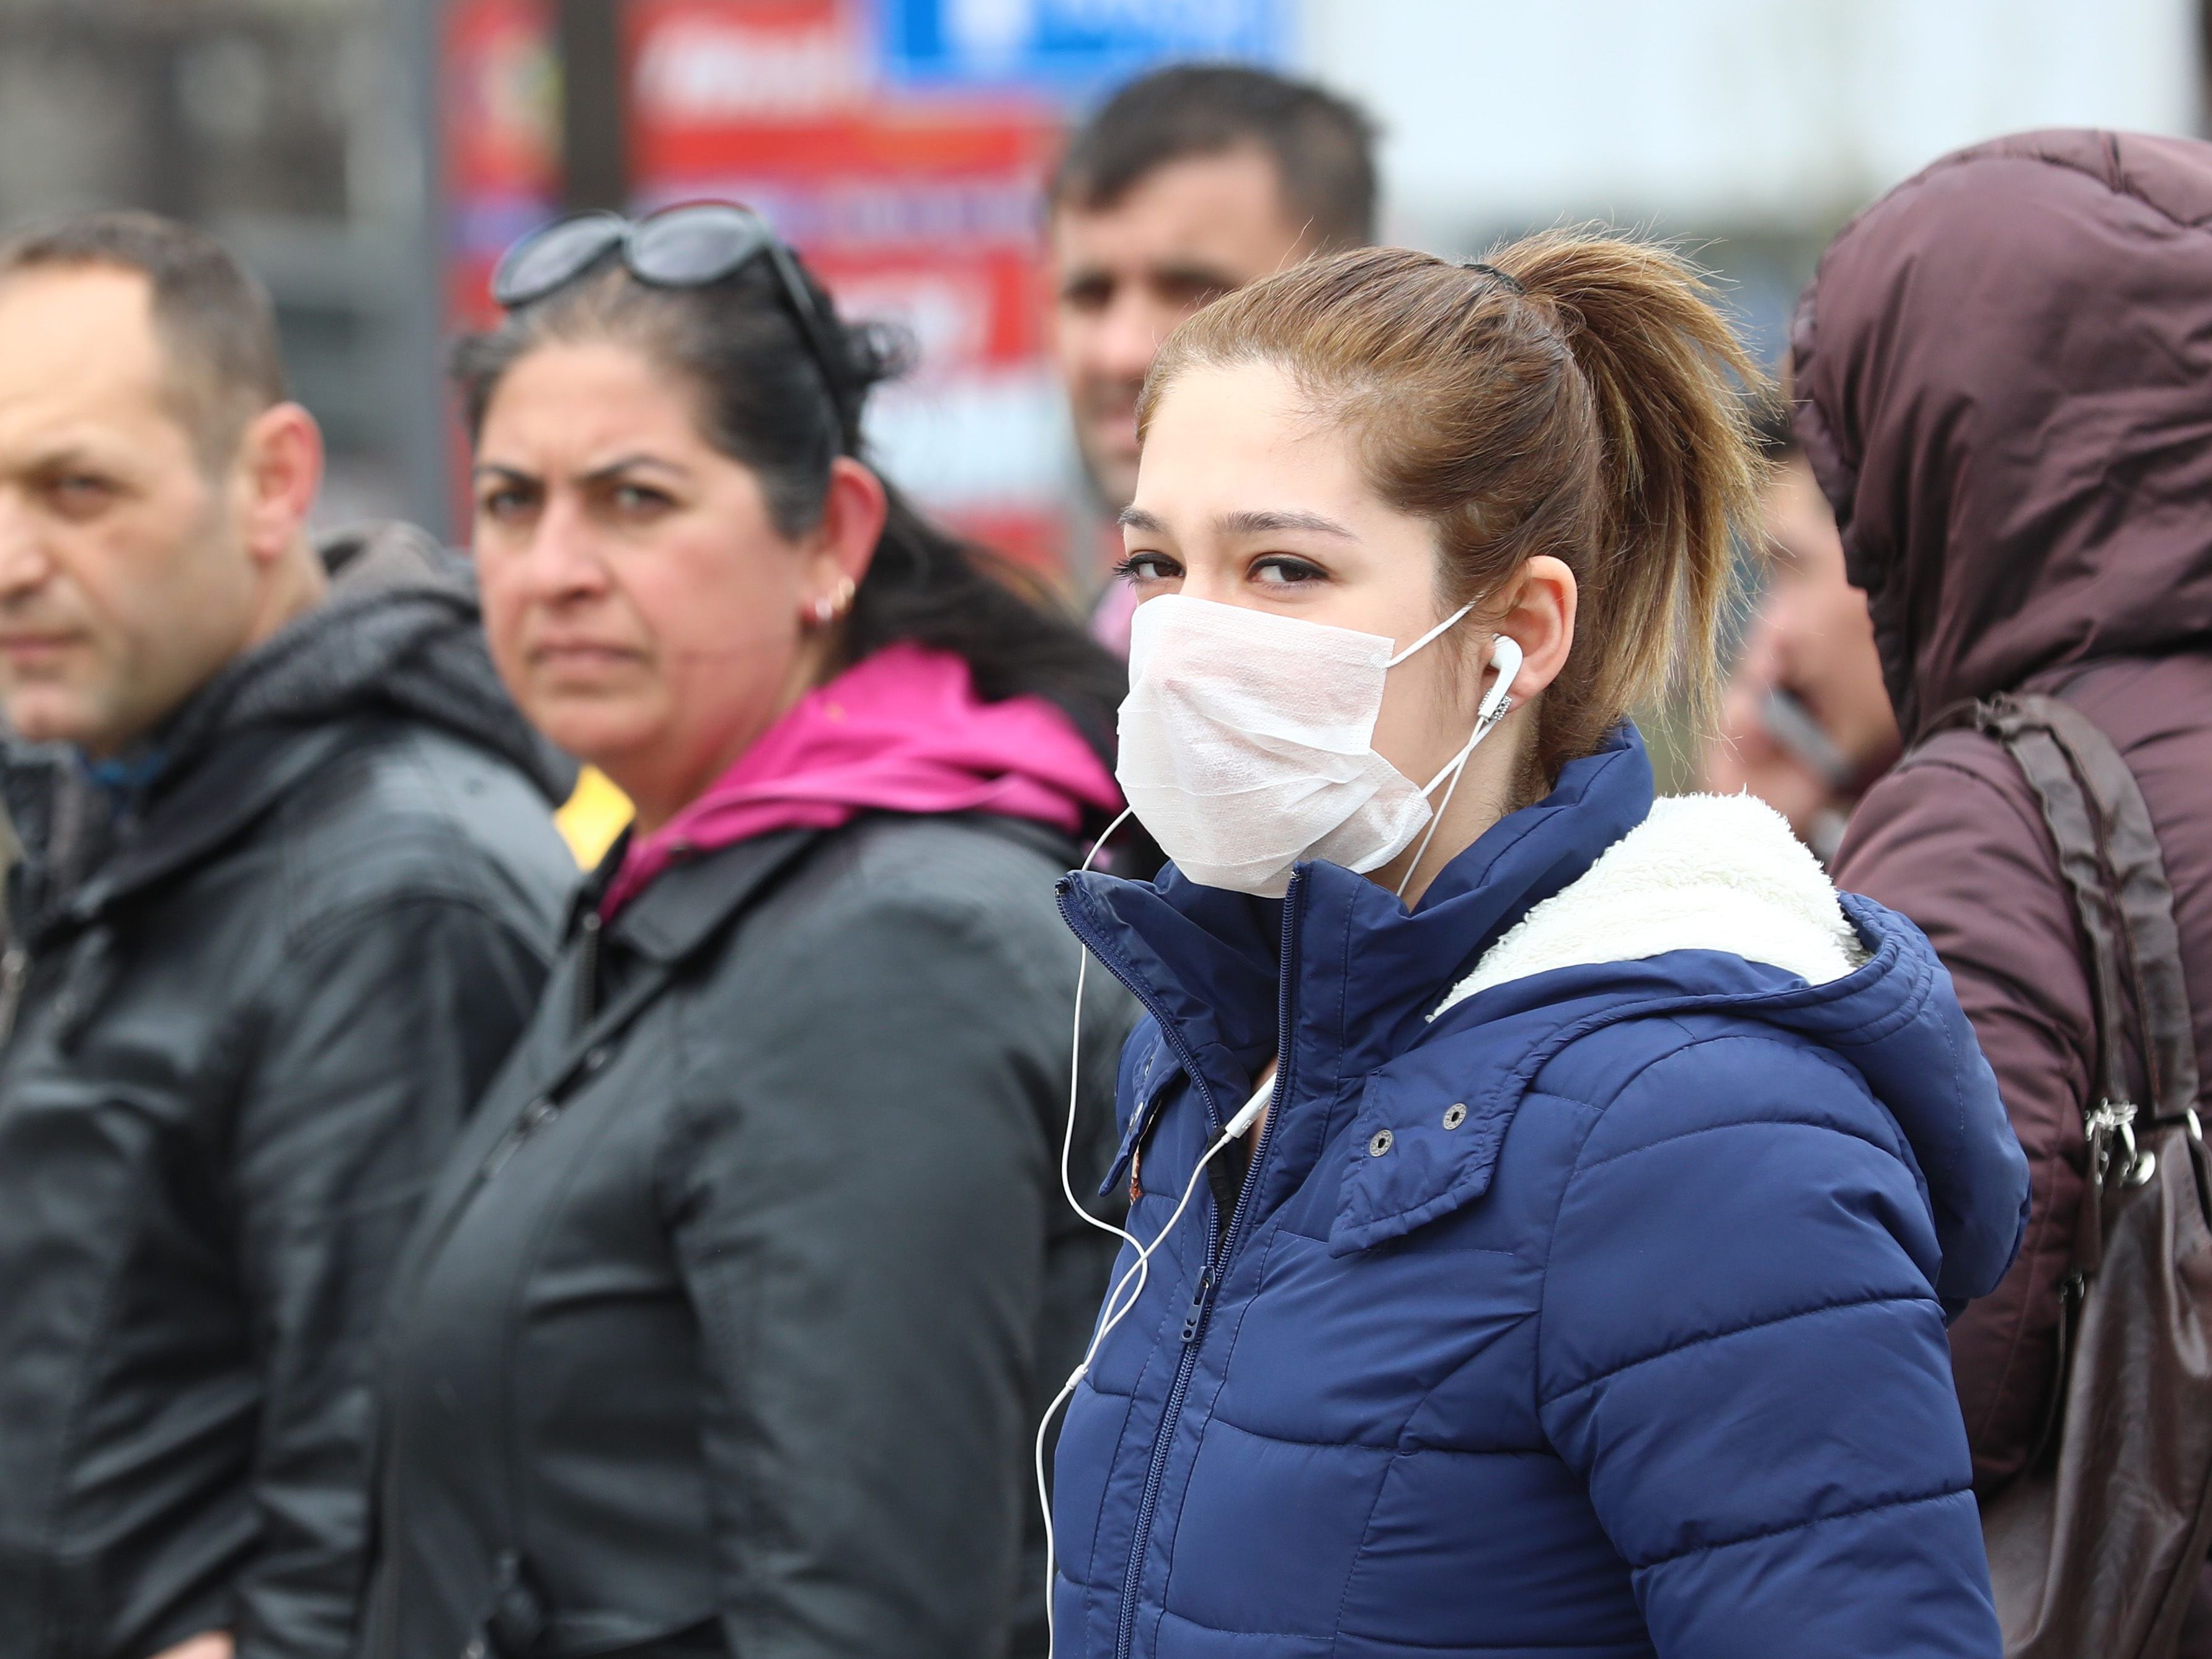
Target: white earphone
(1506,656)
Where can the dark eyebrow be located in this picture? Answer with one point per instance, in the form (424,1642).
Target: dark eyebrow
(69,454)
(597,475)
(1171,274)
(1249,523)
(622,463)
(1269,523)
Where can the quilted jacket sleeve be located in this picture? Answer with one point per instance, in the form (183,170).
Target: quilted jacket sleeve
(382,1031)
(1740,1351)
(1937,840)
(866,1210)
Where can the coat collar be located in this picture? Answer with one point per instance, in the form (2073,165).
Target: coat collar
(215,803)
(693,897)
(1355,971)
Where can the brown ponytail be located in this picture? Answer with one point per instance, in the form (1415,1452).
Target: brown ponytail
(1571,397)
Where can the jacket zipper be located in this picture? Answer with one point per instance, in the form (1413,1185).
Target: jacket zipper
(542,1110)
(15,972)
(1217,1259)
(587,970)
(1286,1014)
(536,1115)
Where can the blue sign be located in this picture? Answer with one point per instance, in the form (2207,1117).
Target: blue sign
(1068,46)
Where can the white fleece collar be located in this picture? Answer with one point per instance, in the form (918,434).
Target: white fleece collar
(1702,873)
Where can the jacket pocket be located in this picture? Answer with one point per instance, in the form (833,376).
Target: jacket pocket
(1420,1148)
(603,1635)
(516,1623)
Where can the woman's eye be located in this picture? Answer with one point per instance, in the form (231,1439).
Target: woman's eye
(1282,571)
(1141,568)
(503,504)
(639,500)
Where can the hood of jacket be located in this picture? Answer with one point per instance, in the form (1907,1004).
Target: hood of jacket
(1701,872)
(399,634)
(901,731)
(2003,376)
(1591,907)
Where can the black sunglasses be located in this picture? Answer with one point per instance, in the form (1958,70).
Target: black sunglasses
(690,245)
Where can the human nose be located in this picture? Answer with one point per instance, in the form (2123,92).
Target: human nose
(1208,578)
(25,563)
(561,559)
(1128,335)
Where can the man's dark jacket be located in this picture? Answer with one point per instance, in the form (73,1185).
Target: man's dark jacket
(2005,375)
(252,995)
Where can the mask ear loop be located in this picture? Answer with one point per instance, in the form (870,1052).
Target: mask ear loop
(1434,634)
(1505,657)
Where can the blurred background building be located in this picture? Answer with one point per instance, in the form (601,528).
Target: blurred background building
(301,130)
(371,157)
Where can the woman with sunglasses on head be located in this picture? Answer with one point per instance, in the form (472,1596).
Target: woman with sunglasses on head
(1558,1194)
(728,1329)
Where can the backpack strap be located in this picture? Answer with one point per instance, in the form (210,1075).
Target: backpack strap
(2109,855)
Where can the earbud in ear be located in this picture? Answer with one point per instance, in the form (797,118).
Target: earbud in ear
(1505,658)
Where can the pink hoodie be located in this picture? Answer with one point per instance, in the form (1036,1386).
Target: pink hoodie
(902,730)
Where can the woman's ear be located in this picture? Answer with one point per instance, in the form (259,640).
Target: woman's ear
(853,509)
(1540,618)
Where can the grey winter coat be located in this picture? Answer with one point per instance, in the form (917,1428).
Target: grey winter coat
(729,1326)
(252,995)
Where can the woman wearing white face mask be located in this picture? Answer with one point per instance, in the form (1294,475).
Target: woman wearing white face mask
(1558,1196)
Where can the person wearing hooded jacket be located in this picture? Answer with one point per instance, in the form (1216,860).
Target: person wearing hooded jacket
(1552,1199)
(2004,376)
(728,1327)
(288,888)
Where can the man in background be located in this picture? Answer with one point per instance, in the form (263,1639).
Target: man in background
(289,911)
(1187,184)
(1806,725)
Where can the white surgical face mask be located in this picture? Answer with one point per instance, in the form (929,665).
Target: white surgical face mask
(1247,742)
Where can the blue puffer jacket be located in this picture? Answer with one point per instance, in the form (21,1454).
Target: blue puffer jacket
(1586,1293)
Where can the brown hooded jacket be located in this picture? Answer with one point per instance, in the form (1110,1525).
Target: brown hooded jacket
(2005,370)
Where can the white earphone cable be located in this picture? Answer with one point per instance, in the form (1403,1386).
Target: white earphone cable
(1075,1064)
(1505,657)
(1067,1192)
(1114,1312)
(1134,1277)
